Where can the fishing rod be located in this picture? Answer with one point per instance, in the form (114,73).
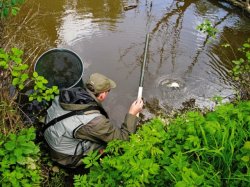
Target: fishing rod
(140,89)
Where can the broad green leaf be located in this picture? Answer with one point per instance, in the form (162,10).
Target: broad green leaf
(28,150)
(48,91)
(47,98)
(44,81)
(17,60)
(35,74)
(17,52)
(3,63)
(236,62)
(248,55)
(21,86)
(17,68)
(19,175)
(24,66)
(24,77)
(54,88)
(4,56)
(21,160)
(39,99)
(40,78)
(12,137)
(246,145)
(13,2)
(15,81)
(21,138)
(181,184)
(15,73)
(14,10)
(31,98)
(57,91)
(2,152)
(245,159)
(10,145)
(39,85)
(246,45)
(6,12)
(18,152)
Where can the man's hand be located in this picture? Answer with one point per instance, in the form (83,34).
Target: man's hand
(136,107)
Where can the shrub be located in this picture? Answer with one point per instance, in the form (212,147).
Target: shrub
(18,159)
(10,7)
(241,69)
(193,150)
(13,67)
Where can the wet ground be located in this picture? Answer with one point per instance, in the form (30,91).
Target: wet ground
(109,36)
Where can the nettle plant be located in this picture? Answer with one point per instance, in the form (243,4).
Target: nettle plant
(14,67)
(18,159)
(241,69)
(193,150)
(9,7)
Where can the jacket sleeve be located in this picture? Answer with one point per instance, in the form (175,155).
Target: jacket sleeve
(101,129)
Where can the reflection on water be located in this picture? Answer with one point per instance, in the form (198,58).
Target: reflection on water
(87,19)
(111,41)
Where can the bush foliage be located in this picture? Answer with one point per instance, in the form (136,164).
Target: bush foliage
(10,7)
(14,68)
(18,159)
(193,150)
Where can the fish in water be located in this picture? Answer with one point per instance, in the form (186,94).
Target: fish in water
(170,84)
(174,85)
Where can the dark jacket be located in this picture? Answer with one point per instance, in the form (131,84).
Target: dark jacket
(98,131)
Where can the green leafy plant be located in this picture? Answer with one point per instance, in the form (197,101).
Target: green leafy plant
(41,91)
(193,150)
(207,27)
(10,7)
(241,66)
(18,159)
(241,69)
(13,66)
(18,68)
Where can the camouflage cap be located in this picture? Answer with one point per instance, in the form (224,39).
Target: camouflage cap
(100,83)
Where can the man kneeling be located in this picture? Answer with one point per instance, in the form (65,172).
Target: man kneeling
(77,122)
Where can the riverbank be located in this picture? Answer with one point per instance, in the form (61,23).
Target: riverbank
(111,40)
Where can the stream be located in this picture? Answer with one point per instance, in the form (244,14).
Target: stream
(110,40)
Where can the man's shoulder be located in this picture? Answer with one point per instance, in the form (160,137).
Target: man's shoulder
(98,120)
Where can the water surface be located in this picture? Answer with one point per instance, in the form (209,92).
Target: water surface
(111,40)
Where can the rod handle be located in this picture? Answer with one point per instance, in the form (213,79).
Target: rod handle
(139,96)
(140,89)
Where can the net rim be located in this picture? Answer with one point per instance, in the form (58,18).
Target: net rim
(62,50)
